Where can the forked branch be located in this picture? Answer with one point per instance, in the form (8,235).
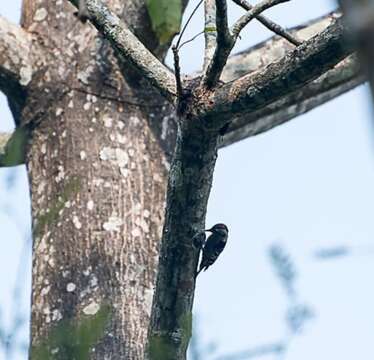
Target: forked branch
(271,25)
(229,37)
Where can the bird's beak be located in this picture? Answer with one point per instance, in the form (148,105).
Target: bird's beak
(208,230)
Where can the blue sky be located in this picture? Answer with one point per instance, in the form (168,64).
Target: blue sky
(306,185)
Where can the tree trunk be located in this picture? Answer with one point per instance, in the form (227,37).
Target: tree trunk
(98,178)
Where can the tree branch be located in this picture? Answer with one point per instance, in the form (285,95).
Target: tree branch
(224,45)
(16,62)
(272,26)
(300,66)
(344,77)
(210,31)
(130,48)
(252,13)
(226,41)
(190,181)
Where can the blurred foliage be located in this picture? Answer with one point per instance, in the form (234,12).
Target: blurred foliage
(330,253)
(14,150)
(283,266)
(166,17)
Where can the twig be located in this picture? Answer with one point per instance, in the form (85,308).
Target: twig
(252,13)
(272,26)
(210,31)
(187,22)
(190,40)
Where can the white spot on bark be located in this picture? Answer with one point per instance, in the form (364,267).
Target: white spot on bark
(70,287)
(113,224)
(87,271)
(121,139)
(120,125)
(108,121)
(164,127)
(157,177)
(124,172)
(146,213)
(87,106)
(84,75)
(83,155)
(71,104)
(56,315)
(59,111)
(25,75)
(61,173)
(55,351)
(76,222)
(40,14)
(90,205)
(45,290)
(134,120)
(116,156)
(92,308)
(148,297)
(136,232)
(93,281)
(41,187)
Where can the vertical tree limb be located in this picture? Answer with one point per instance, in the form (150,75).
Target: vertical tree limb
(210,31)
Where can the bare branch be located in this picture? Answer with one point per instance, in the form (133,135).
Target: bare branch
(344,77)
(226,39)
(16,66)
(252,13)
(130,48)
(272,26)
(225,43)
(300,66)
(210,31)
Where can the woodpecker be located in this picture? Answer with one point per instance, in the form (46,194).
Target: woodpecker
(214,245)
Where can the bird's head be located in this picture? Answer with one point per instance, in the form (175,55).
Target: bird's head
(219,228)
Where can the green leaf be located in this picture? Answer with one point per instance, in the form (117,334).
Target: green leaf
(166,17)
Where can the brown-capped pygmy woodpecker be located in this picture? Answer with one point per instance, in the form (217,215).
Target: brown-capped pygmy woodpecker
(214,245)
